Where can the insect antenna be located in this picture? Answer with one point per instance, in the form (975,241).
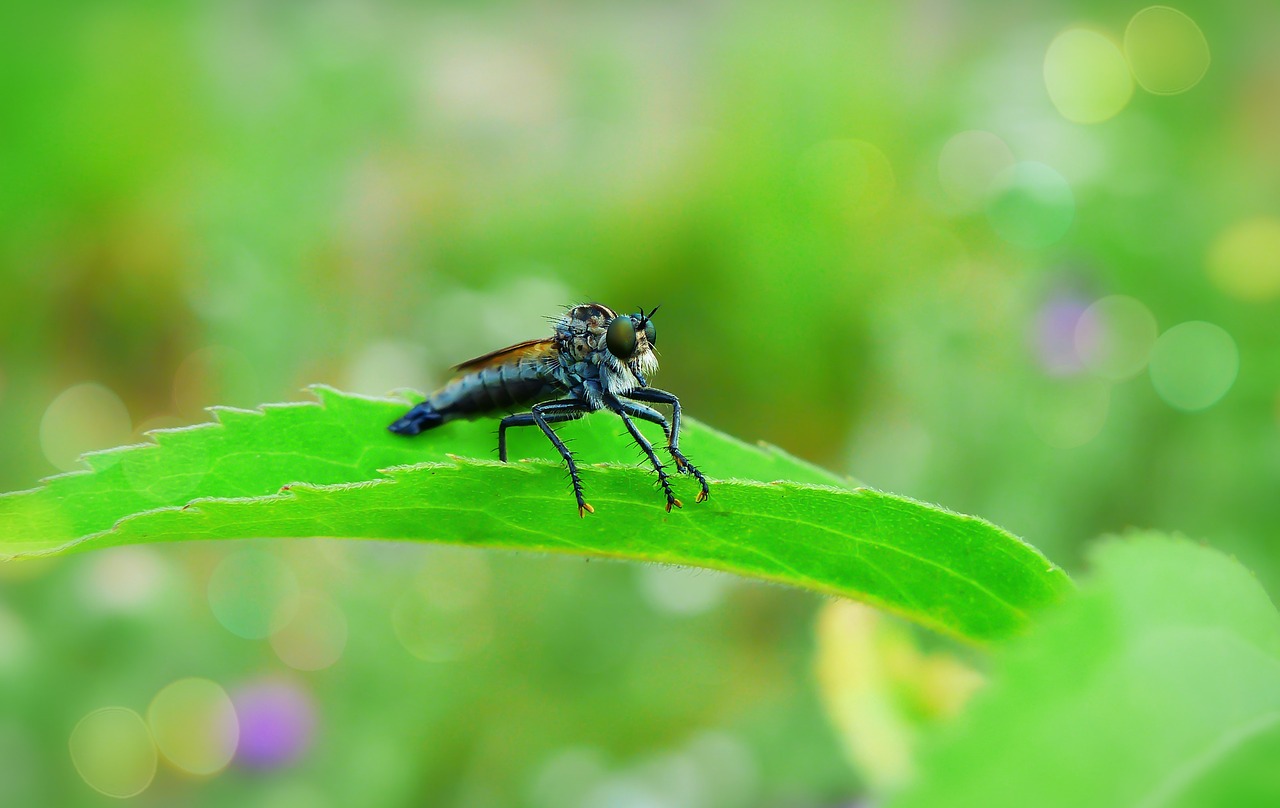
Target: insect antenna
(644,318)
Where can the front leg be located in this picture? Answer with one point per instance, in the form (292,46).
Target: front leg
(621,408)
(656,396)
(682,463)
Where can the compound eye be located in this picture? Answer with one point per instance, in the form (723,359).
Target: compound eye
(650,333)
(620,339)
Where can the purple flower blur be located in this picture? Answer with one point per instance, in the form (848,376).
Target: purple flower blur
(1055,335)
(277,722)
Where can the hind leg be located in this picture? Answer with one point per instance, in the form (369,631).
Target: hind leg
(550,415)
(542,416)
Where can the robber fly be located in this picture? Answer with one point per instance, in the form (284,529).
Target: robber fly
(595,360)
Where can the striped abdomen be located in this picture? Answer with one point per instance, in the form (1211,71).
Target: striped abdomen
(493,389)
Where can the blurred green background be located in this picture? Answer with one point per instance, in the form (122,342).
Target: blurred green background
(1019,259)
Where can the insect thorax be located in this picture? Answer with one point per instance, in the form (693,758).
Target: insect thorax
(586,366)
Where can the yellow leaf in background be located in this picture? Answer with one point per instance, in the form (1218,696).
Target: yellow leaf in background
(882,691)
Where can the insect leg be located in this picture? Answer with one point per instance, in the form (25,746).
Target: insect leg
(653,416)
(549,411)
(527,419)
(656,396)
(621,409)
(646,414)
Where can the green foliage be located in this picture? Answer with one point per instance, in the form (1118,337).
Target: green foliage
(1159,685)
(331,469)
(220,202)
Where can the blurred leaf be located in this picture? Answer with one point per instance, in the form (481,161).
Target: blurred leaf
(332,469)
(1158,686)
(883,692)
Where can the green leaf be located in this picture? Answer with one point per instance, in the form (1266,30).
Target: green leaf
(332,469)
(1158,686)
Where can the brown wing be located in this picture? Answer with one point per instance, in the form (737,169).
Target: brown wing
(529,350)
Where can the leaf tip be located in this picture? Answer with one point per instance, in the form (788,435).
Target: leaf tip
(229,415)
(327,395)
(319,389)
(103,459)
(407,394)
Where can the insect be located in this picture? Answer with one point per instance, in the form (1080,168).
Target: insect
(596,359)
